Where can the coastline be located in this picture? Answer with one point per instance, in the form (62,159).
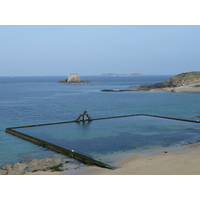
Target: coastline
(189,88)
(185,88)
(183,160)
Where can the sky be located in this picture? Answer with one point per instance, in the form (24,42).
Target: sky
(57,50)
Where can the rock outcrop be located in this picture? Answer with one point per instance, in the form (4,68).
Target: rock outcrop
(16,169)
(36,166)
(74,79)
(108,90)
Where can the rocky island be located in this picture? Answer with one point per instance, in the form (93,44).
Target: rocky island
(113,74)
(74,79)
(184,82)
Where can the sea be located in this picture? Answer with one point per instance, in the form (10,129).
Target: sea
(40,99)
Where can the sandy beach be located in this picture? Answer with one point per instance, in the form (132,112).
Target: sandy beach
(183,160)
(163,164)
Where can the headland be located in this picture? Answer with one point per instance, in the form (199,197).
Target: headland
(184,82)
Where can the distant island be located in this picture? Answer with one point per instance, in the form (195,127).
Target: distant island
(184,82)
(74,79)
(113,74)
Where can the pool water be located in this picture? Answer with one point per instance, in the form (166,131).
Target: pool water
(105,138)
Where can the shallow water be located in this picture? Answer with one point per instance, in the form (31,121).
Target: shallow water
(104,139)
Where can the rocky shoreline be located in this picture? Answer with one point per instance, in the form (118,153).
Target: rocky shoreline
(188,88)
(35,165)
(184,88)
(107,90)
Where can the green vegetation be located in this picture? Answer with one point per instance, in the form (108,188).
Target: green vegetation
(184,79)
(55,168)
(176,81)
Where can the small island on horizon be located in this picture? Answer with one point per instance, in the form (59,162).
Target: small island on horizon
(114,74)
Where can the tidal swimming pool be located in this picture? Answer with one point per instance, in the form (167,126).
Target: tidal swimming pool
(102,139)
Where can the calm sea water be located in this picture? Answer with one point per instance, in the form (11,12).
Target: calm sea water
(36,100)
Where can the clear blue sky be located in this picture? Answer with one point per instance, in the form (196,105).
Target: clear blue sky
(93,50)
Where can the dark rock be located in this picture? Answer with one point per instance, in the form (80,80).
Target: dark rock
(198,85)
(106,90)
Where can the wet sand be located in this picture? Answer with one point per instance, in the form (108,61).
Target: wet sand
(183,160)
(176,161)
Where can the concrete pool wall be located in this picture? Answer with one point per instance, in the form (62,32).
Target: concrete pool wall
(71,153)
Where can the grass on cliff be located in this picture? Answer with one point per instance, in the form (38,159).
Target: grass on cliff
(176,81)
(187,76)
